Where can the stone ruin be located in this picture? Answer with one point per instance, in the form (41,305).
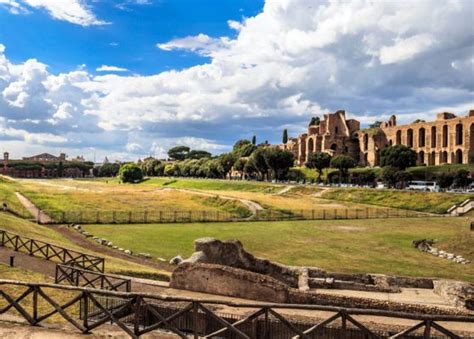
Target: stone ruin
(426,245)
(225,268)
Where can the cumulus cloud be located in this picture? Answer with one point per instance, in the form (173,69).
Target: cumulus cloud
(106,68)
(73,11)
(201,43)
(293,60)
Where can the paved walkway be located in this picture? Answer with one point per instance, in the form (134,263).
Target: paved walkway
(38,214)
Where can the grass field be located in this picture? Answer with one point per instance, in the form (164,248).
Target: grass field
(412,200)
(71,195)
(376,246)
(48,234)
(211,184)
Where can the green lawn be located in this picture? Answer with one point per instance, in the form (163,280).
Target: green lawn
(411,200)
(376,246)
(48,234)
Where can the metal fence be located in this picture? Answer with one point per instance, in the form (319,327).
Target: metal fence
(51,252)
(140,313)
(153,216)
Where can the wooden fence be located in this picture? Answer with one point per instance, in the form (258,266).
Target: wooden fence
(153,216)
(51,252)
(131,312)
(85,278)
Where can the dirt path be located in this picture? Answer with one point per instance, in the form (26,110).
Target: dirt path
(285,190)
(321,192)
(251,205)
(38,214)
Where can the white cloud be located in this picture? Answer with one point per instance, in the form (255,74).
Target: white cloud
(202,43)
(73,11)
(291,61)
(406,49)
(13,6)
(106,68)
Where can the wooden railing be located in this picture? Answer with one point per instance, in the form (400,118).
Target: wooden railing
(79,277)
(51,252)
(129,314)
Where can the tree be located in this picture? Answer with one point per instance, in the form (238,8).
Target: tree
(367,178)
(249,169)
(285,136)
(254,140)
(376,124)
(462,179)
(279,161)
(259,163)
(393,177)
(239,166)
(109,170)
(343,163)
(319,161)
(198,154)
(243,148)
(148,167)
(315,121)
(178,152)
(445,180)
(226,161)
(131,173)
(399,156)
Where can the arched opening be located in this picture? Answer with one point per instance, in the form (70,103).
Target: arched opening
(458,157)
(445,136)
(336,129)
(459,135)
(433,137)
(432,158)
(366,142)
(310,145)
(334,147)
(421,157)
(366,159)
(421,137)
(390,142)
(377,158)
(443,157)
(399,138)
(410,137)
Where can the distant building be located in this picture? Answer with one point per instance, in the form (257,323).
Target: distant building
(447,140)
(44,165)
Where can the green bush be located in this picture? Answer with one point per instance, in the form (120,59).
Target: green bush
(130,173)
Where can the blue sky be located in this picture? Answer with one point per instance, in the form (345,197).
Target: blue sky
(128,39)
(126,79)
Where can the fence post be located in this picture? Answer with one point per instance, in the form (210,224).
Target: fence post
(324,214)
(266,324)
(195,319)
(174,220)
(85,311)
(217,215)
(136,321)
(145,216)
(344,324)
(80,217)
(129,217)
(97,218)
(35,304)
(63,217)
(367,213)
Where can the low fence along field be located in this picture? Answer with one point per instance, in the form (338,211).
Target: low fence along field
(154,216)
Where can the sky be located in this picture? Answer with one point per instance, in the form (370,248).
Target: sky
(131,78)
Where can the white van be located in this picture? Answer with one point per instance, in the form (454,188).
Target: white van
(426,186)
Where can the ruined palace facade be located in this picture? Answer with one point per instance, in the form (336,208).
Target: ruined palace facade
(447,140)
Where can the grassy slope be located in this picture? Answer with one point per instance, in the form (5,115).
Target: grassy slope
(48,234)
(7,195)
(378,246)
(412,200)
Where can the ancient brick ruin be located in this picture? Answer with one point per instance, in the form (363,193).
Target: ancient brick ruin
(447,140)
